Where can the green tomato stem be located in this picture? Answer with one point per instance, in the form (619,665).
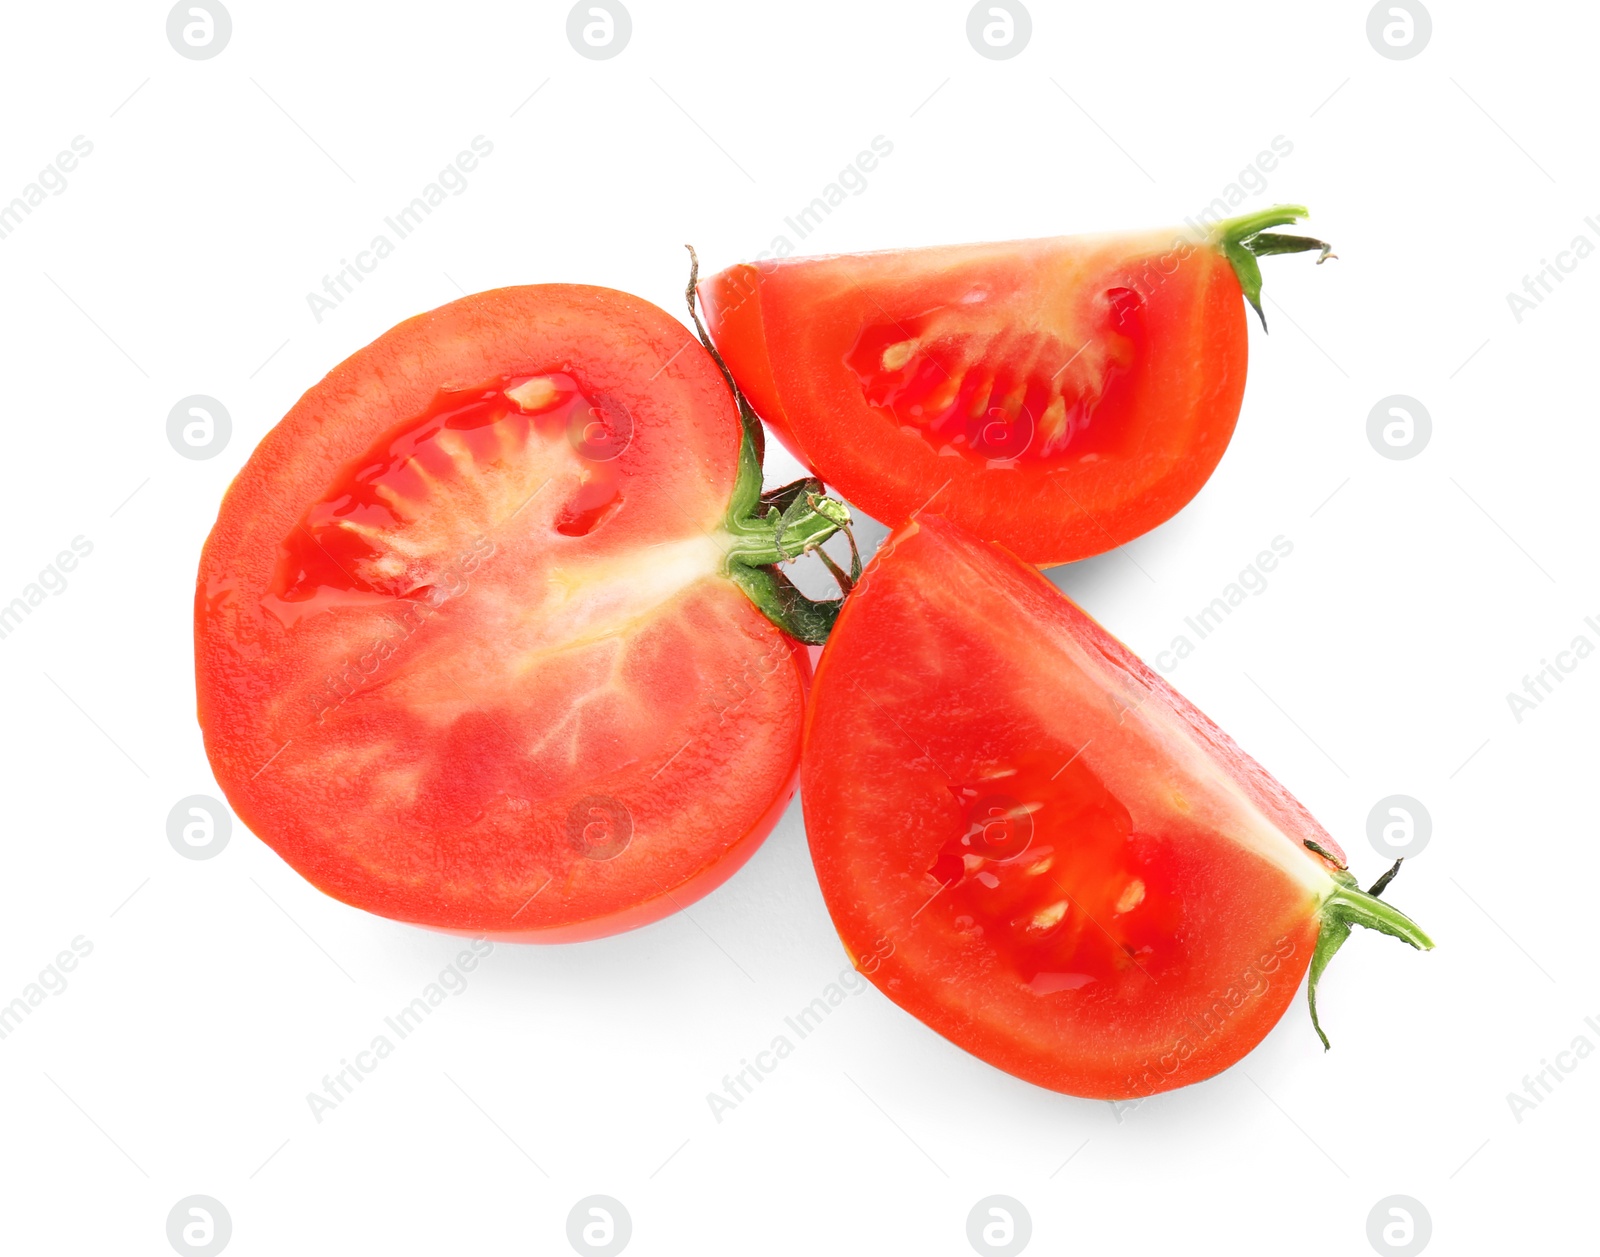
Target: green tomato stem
(1244,239)
(1347,907)
(776,527)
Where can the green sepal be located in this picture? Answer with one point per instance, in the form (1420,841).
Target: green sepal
(1249,273)
(776,533)
(1244,239)
(778,526)
(1347,907)
(1270,242)
(807,620)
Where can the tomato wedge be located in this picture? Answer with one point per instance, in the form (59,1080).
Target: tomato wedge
(1060,396)
(485,637)
(1029,841)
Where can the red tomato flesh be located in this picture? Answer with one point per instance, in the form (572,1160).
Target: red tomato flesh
(1060,396)
(1051,857)
(467,653)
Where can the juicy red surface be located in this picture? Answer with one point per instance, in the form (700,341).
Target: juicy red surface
(1058,396)
(1055,861)
(987,396)
(440,630)
(323,555)
(1067,819)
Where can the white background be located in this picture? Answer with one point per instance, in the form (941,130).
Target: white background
(177,261)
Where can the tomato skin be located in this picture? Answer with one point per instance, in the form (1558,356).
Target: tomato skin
(438,772)
(731,303)
(787,328)
(955,663)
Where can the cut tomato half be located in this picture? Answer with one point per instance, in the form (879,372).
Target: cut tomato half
(477,633)
(1060,396)
(1029,841)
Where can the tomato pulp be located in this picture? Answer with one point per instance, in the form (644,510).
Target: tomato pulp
(474,644)
(1060,396)
(1051,857)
